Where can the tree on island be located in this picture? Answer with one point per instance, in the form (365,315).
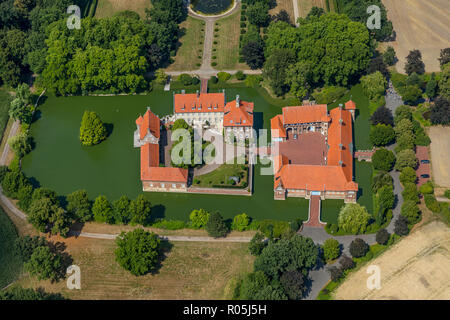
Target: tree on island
(92,130)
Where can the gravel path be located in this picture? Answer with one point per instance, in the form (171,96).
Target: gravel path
(393,99)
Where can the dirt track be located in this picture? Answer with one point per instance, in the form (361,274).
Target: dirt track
(415,268)
(440,153)
(420,25)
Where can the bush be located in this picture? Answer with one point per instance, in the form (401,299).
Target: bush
(383,159)
(427,188)
(447,193)
(406,158)
(102,210)
(346,262)
(12,182)
(381,134)
(240,222)
(431,203)
(214,79)
(138,251)
(20,144)
(186,79)
(215,226)
(169,224)
(253,80)
(380,180)
(223,76)
(335,273)
(240,75)
(411,211)
(199,218)
(410,192)
(273,228)
(92,130)
(331,249)
(353,218)
(44,264)
(401,226)
(257,244)
(358,248)
(408,175)
(382,236)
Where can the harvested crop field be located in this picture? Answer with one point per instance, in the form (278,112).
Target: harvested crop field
(421,25)
(440,153)
(415,268)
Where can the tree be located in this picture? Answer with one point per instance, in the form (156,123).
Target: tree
(256,286)
(408,174)
(24,195)
(275,69)
(140,209)
(440,112)
(414,63)
(401,226)
(411,94)
(298,77)
(79,206)
(386,197)
(427,188)
(20,144)
(199,218)
(161,76)
(404,126)
(374,85)
(281,16)
(293,283)
(358,248)
(240,222)
(12,182)
(257,244)
(45,215)
(331,249)
(295,253)
(389,56)
(19,110)
(444,57)
(410,192)
(380,180)
(383,159)
(315,12)
(382,115)
(335,273)
(432,86)
(215,226)
(346,262)
(381,134)
(405,141)
(44,264)
(405,158)
(121,207)
(258,14)
(382,236)
(410,211)
(353,218)
(402,112)
(253,54)
(18,293)
(102,210)
(92,130)
(444,82)
(41,193)
(138,251)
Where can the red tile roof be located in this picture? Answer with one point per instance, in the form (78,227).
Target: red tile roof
(305,114)
(238,115)
(149,122)
(201,102)
(350,105)
(277,129)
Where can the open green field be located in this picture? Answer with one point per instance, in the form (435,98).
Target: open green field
(191,46)
(10,262)
(107,8)
(221,176)
(227,47)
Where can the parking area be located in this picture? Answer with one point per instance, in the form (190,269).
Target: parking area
(423,171)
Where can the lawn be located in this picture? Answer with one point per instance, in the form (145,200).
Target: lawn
(107,8)
(5,100)
(211,269)
(10,263)
(227,47)
(221,177)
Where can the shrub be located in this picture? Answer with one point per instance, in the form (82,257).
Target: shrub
(214,79)
(406,158)
(199,218)
(381,134)
(92,130)
(186,79)
(353,218)
(380,180)
(214,64)
(20,144)
(410,211)
(44,264)
(358,248)
(138,251)
(431,203)
(257,244)
(273,228)
(410,192)
(426,188)
(332,228)
(102,210)
(408,175)
(346,262)
(401,226)
(331,249)
(335,273)
(240,75)
(12,182)
(223,76)
(215,226)
(240,222)
(402,112)
(382,236)
(447,193)
(169,224)
(161,76)
(253,80)
(383,159)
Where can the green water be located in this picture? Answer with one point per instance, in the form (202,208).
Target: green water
(111,168)
(211,6)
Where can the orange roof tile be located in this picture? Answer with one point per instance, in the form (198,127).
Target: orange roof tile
(277,129)
(305,114)
(166,174)
(149,121)
(350,105)
(238,116)
(201,102)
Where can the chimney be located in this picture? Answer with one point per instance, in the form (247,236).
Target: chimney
(341,146)
(198,94)
(183,91)
(237,101)
(340,106)
(340,163)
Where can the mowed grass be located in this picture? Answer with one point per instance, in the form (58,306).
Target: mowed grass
(221,176)
(287,5)
(227,47)
(107,8)
(191,46)
(190,270)
(10,263)
(304,6)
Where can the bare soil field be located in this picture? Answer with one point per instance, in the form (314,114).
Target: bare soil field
(415,268)
(107,8)
(189,271)
(440,153)
(421,25)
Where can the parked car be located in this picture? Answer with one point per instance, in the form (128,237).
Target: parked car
(424,161)
(425,176)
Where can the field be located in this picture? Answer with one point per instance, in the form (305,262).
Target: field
(415,268)
(191,46)
(420,25)
(221,176)
(305,6)
(227,47)
(10,263)
(211,268)
(287,5)
(440,153)
(107,8)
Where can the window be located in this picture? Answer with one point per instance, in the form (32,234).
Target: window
(162,185)
(174,185)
